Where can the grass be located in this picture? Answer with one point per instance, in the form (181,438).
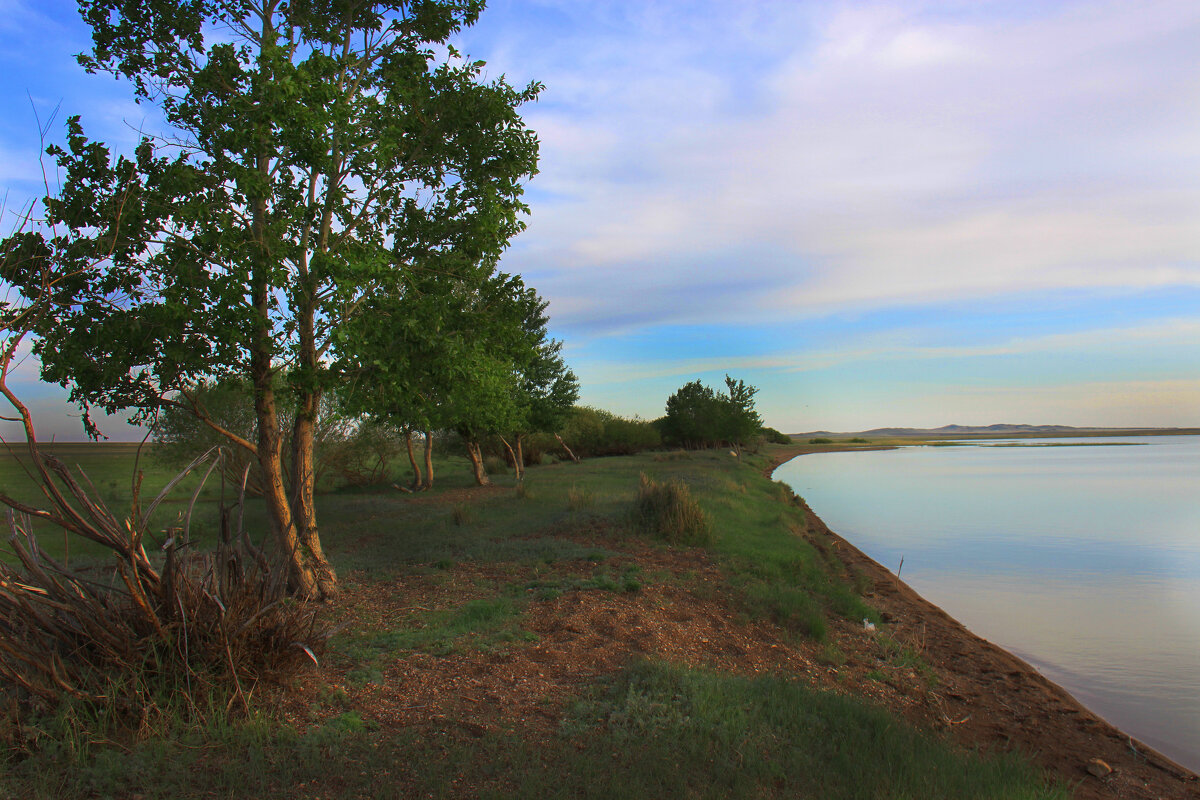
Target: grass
(485,623)
(668,512)
(655,730)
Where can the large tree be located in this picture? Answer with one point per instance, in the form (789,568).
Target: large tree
(318,154)
(699,417)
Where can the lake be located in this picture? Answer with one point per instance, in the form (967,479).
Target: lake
(1083,559)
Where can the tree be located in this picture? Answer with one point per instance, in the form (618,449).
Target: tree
(320,153)
(543,389)
(699,417)
(741,422)
(692,418)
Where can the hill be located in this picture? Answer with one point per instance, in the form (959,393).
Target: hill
(1006,430)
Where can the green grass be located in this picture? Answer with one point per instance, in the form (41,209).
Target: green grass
(655,731)
(485,623)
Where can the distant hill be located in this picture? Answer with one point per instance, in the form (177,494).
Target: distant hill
(994,430)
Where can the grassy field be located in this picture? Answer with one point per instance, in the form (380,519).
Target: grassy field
(457,586)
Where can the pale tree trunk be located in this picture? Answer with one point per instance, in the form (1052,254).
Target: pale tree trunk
(518,467)
(301,577)
(293,520)
(564,447)
(428,461)
(303,499)
(521,454)
(412,459)
(473,453)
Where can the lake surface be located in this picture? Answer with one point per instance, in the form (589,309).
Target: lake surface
(1084,559)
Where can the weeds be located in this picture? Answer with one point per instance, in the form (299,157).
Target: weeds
(669,512)
(580,499)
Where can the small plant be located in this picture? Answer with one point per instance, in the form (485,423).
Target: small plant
(495,465)
(579,499)
(669,511)
(462,514)
(831,655)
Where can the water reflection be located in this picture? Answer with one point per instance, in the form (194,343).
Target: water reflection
(1083,560)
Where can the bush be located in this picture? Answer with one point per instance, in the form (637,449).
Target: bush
(669,512)
(775,437)
(595,432)
(820,440)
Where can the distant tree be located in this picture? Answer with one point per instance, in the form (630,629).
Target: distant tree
(694,416)
(544,389)
(319,153)
(699,417)
(775,437)
(596,432)
(740,421)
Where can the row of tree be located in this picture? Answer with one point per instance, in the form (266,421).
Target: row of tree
(325,211)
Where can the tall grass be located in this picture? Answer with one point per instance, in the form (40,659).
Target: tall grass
(670,513)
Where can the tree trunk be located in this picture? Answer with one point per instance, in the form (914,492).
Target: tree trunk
(521,454)
(303,492)
(564,447)
(412,459)
(518,467)
(428,461)
(481,476)
(293,520)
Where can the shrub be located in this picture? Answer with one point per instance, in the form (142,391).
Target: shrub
(595,432)
(820,440)
(775,437)
(669,511)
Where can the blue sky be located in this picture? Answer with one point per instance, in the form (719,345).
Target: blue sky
(893,213)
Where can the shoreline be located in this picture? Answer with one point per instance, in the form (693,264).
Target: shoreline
(990,698)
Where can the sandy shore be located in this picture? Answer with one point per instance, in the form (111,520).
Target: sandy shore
(991,699)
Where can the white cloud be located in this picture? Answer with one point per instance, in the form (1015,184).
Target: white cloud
(898,153)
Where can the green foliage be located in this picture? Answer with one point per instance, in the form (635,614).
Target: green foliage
(595,432)
(346,451)
(317,159)
(820,440)
(668,511)
(775,437)
(699,417)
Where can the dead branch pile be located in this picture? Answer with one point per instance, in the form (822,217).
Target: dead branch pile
(174,627)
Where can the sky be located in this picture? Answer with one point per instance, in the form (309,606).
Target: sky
(878,213)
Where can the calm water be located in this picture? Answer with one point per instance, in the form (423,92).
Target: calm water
(1083,560)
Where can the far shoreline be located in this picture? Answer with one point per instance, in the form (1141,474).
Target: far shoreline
(975,662)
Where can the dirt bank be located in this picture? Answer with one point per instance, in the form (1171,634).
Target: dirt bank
(990,698)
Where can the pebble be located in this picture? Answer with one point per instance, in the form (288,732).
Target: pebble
(1099,768)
